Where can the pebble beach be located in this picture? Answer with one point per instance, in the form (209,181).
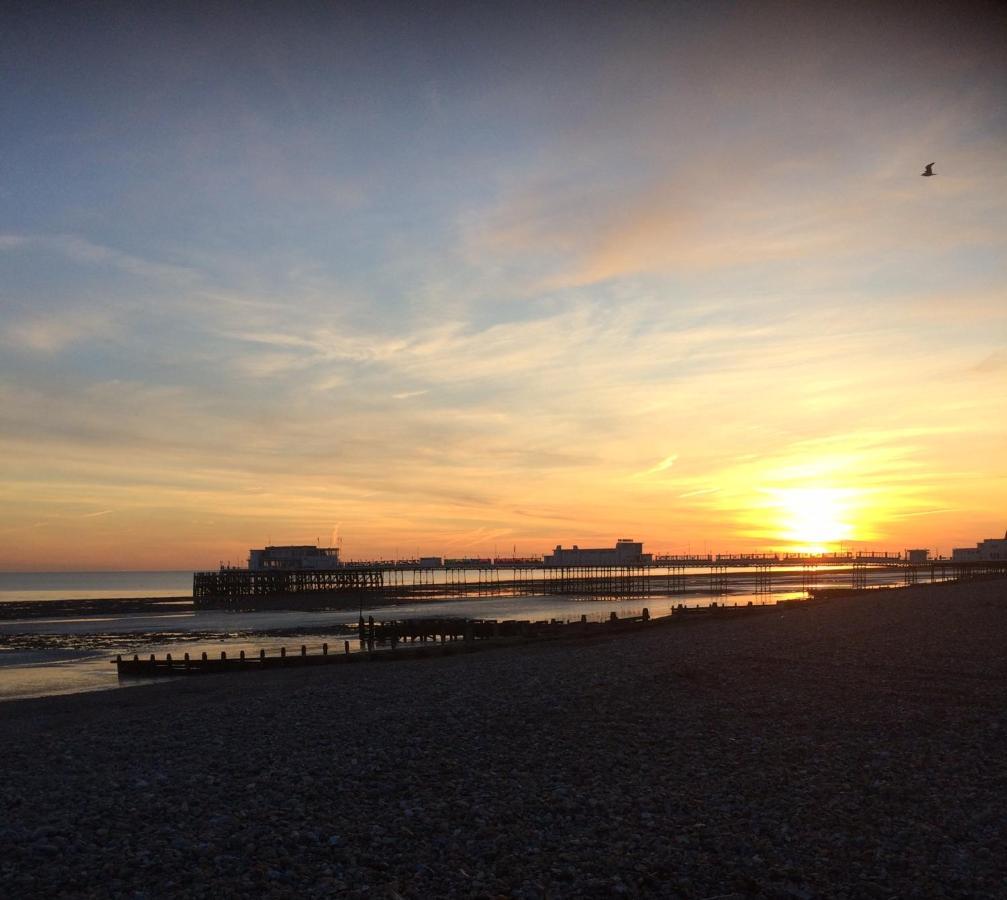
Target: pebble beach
(851,747)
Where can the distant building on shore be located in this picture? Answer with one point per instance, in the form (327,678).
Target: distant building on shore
(626,552)
(984,551)
(299,558)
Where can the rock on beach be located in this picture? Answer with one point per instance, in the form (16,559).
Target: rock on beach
(847,748)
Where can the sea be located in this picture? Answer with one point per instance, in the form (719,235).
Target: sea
(19,586)
(44,656)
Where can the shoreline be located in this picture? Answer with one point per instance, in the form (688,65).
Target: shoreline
(88,607)
(51,609)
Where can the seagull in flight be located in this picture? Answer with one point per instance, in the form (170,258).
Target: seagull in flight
(929,170)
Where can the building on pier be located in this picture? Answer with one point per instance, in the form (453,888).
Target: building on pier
(985,551)
(626,552)
(294,558)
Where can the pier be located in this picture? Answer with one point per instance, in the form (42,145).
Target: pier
(249,589)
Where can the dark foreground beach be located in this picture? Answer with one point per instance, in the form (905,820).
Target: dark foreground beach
(849,748)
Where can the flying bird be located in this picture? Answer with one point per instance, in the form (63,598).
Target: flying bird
(929,170)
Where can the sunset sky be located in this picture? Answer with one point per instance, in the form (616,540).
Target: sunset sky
(460,279)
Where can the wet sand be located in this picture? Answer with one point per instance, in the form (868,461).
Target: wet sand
(45,609)
(847,748)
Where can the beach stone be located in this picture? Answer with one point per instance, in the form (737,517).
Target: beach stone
(844,749)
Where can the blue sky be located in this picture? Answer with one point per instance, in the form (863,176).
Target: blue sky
(454,278)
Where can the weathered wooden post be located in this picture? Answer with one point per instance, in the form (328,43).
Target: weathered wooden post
(283,652)
(262,655)
(646,614)
(612,617)
(370,633)
(346,647)
(304,650)
(362,632)
(204,656)
(241,656)
(325,649)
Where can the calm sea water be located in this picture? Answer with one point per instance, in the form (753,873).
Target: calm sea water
(19,586)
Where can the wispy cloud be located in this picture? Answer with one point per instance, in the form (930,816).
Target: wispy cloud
(55,332)
(992,364)
(662,466)
(81,250)
(698,493)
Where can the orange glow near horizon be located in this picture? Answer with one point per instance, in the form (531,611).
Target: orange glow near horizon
(850,490)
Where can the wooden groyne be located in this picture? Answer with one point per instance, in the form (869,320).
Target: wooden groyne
(384,641)
(410,639)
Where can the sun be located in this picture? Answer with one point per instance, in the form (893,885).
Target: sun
(814,519)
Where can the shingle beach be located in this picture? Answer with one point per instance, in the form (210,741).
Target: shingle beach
(855,747)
